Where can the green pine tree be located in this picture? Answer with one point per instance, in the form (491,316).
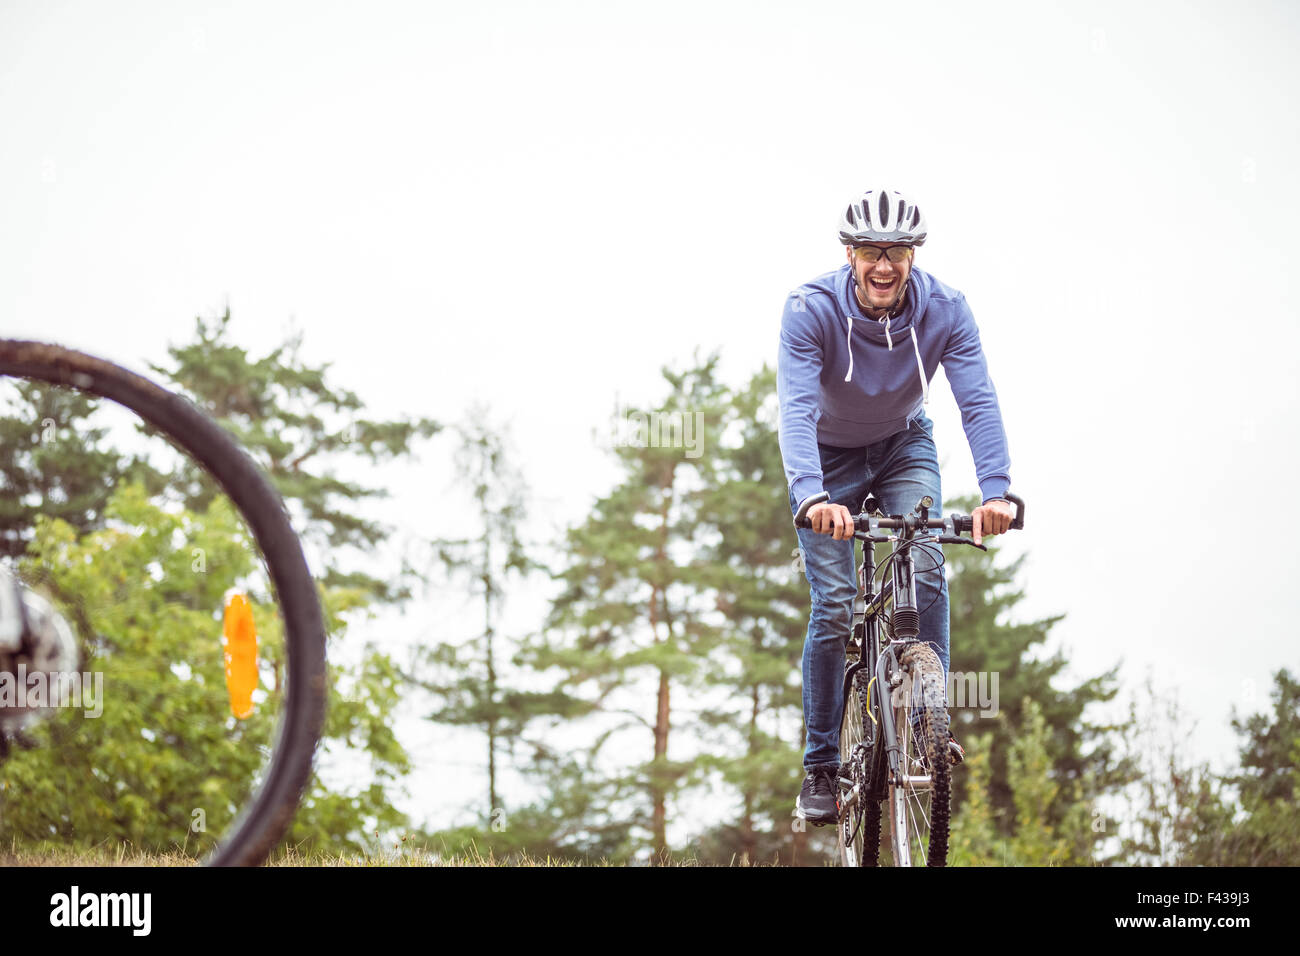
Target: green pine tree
(298,426)
(753,568)
(630,627)
(53,461)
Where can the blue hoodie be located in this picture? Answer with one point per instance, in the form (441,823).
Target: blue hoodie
(852,397)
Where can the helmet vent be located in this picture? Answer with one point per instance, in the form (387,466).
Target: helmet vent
(852,214)
(884,208)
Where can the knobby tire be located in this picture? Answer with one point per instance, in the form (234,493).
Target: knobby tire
(921,811)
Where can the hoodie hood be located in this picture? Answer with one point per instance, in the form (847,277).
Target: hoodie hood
(914,303)
(904,322)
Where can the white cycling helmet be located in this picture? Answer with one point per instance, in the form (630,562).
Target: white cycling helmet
(882,215)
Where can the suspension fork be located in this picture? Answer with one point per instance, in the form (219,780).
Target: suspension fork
(887,664)
(907,618)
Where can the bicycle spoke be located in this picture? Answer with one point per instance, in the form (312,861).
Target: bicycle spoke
(920,824)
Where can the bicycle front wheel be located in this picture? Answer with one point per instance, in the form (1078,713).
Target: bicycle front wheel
(213,777)
(920,792)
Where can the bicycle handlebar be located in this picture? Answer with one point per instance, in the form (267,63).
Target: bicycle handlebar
(954,525)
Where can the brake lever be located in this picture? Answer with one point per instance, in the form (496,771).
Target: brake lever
(873,538)
(951,540)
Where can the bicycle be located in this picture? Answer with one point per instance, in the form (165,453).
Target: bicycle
(911,771)
(265,815)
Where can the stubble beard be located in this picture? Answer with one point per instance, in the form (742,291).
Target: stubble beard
(885,310)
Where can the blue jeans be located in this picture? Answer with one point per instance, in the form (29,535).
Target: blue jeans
(898,470)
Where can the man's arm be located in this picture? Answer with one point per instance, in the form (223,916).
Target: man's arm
(798,389)
(968,374)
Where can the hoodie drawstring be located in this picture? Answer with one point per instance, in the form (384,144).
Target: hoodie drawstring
(849,342)
(920,367)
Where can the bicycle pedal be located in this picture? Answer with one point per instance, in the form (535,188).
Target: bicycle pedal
(817,822)
(799,814)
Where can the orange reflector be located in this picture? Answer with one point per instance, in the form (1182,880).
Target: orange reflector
(241,655)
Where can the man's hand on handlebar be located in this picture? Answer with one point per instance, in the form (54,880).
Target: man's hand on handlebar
(990,519)
(834,520)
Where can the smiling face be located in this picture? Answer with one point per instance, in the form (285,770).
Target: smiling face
(883,283)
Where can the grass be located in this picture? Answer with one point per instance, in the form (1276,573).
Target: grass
(400,856)
(120,855)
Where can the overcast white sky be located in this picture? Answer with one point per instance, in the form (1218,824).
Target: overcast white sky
(539,204)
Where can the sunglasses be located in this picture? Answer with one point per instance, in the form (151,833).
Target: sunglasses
(873,254)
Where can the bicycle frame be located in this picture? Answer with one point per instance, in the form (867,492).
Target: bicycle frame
(899,593)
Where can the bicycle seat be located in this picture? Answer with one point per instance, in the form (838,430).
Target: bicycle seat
(870,505)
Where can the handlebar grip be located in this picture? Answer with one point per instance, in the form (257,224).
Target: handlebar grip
(801,516)
(1018,522)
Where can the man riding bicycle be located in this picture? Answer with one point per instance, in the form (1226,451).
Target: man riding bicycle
(853,423)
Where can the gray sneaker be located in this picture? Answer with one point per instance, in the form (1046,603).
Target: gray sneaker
(818,801)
